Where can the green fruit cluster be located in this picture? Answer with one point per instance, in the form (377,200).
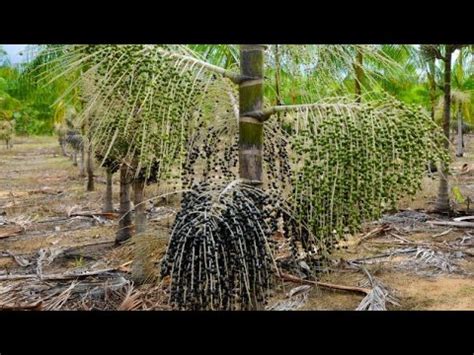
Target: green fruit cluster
(350,167)
(140,103)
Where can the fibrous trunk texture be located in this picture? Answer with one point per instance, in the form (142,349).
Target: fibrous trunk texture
(74,158)
(90,167)
(108,204)
(140,217)
(125,221)
(82,170)
(142,268)
(442,203)
(63,148)
(460,138)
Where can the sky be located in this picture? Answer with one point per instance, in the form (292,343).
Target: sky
(13,51)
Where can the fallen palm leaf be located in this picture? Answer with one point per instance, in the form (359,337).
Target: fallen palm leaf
(57,277)
(131,300)
(465,218)
(20,260)
(46,257)
(443,233)
(452,224)
(45,190)
(31,307)
(61,299)
(291,278)
(296,298)
(10,232)
(374,233)
(109,215)
(124,267)
(378,296)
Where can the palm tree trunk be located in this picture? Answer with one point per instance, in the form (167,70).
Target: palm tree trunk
(432,92)
(108,205)
(277,80)
(142,268)
(432,85)
(90,167)
(62,144)
(140,217)
(82,160)
(359,74)
(442,203)
(460,138)
(250,102)
(74,157)
(277,75)
(125,221)
(250,128)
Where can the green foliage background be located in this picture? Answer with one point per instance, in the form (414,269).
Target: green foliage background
(35,104)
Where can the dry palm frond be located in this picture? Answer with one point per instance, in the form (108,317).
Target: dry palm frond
(20,260)
(6,295)
(407,220)
(23,221)
(12,299)
(45,257)
(56,303)
(425,260)
(379,295)
(376,299)
(296,299)
(131,300)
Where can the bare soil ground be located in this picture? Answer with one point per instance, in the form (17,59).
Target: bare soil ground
(57,251)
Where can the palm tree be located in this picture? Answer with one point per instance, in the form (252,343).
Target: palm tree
(152,96)
(461,101)
(461,95)
(138,110)
(252,117)
(442,202)
(429,59)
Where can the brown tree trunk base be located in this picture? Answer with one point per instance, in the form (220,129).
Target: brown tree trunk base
(108,203)
(125,223)
(90,168)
